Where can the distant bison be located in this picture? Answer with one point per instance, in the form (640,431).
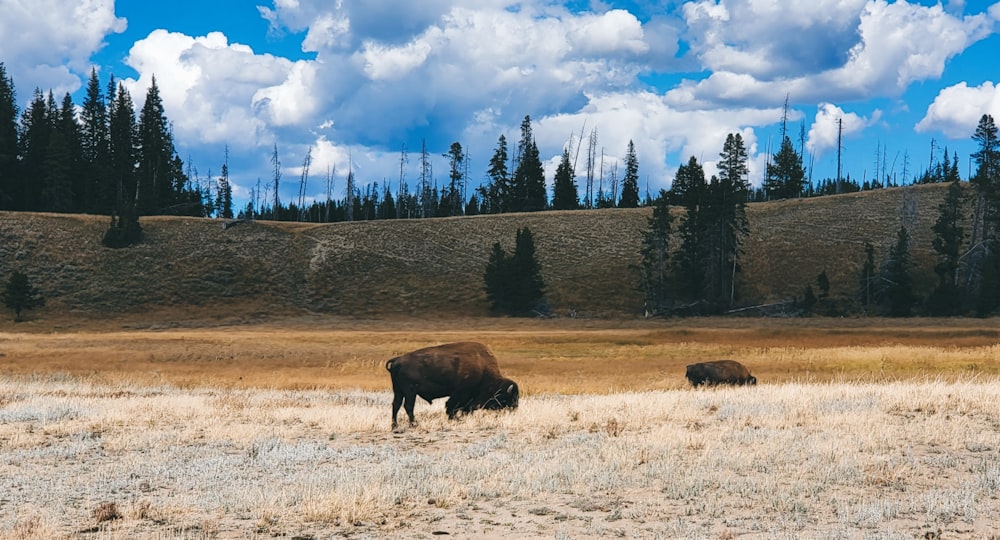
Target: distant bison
(467,372)
(719,372)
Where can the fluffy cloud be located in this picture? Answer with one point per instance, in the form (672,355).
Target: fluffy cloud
(50,42)
(957,109)
(819,51)
(832,124)
(217,92)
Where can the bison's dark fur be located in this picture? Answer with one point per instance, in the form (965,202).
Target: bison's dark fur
(719,372)
(467,372)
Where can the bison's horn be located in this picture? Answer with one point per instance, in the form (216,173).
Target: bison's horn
(510,389)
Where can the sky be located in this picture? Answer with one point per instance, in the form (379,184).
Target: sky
(354,83)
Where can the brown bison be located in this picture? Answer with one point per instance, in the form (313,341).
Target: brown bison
(719,372)
(467,372)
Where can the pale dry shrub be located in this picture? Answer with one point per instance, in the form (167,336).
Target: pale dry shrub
(832,460)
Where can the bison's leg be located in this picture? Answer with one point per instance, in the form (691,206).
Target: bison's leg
(451,407)
(408,403)
(397,401)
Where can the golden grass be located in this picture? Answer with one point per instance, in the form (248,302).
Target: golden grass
(562,356)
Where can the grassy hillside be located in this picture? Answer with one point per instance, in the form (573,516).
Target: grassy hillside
(434,267)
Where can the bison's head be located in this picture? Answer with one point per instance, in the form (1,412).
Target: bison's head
(504,397)
(751,380)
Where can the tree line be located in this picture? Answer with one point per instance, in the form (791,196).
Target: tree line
(699,275)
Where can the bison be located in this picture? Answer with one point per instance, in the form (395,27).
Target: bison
(719,372)
(467,372)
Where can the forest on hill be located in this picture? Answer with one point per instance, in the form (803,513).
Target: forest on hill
(590,260)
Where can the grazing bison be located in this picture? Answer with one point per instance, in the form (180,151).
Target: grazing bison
(719,372)
(467,372)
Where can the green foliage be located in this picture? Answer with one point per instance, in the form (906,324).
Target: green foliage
(785,175)
(899,290)
(528,193)
(513,283)
(655,267)
(564,189)
(949,235)
(19,295)
(823,283)
(713,230)
(451,200)
(630,184)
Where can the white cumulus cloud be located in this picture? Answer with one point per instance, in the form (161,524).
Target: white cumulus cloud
(50,42)
(957,109)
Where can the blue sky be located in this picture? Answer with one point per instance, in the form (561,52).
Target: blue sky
(353,82)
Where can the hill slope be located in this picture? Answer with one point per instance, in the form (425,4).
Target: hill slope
(434,267)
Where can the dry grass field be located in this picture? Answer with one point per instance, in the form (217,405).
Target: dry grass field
(858,429)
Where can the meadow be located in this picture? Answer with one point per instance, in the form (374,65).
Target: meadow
(858,429)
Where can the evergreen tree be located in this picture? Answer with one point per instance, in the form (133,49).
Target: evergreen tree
(124,229)
(529,194)
(8,140)
(948,239)
(899,291)
(689,190)
(529,287)
(122,132)
(630,184)
(37,125)
(497,279)
(98,194)
(514,284)
(224,200)
(498,192)
(688,185)
(785,175)
(564,189)
(61,166)
(983,280)
(19,295)
(725,218)
(155,189)
(655,252)
(452,203)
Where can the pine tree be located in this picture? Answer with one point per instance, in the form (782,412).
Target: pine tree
(61,165)
(690,190)
(984,276)
(452,203)
(785,175)
(224,201)
(514,284)
(498,192)
(564,189)
(655,252)
(948,239)
(98,196)
(529,193)
(630,184)
(37,125)
(155,186)
(124,229)
(899,291)
(688,185)
(8,140)
(19,295)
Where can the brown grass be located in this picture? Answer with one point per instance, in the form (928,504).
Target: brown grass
(546,356)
